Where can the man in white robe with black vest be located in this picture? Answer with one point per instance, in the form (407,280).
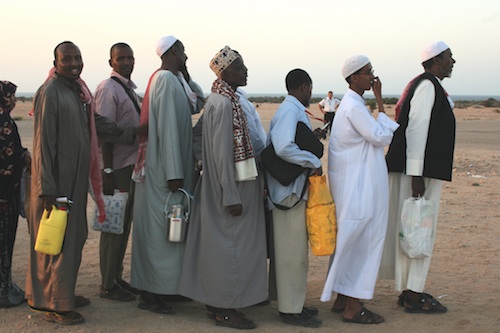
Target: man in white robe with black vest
(420,157)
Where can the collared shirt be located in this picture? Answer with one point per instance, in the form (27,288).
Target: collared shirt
(113,102)
(329,104)
(282,136)
(419,119)
(257,133)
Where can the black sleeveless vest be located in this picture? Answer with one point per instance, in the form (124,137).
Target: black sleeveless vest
(438,160)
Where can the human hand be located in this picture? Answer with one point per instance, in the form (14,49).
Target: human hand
(175,184)
(108,183)
(198,165)
(141,129)
(318,171)
(417,186)
(376,87)
(235,210)
(27,160)
(49,201)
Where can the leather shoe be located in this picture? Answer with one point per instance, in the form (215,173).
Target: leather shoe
(125,285)
(310,310)
(174,298)
(116,293)
(300,319)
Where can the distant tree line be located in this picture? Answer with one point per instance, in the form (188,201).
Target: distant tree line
(371,102)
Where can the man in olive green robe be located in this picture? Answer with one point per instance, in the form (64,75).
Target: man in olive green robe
(60,168)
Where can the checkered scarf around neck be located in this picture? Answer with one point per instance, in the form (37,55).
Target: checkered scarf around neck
(139,173)
(242,145)
(95,160)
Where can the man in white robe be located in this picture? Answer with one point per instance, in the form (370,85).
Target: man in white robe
(420,157)
(168,166)
(358,181)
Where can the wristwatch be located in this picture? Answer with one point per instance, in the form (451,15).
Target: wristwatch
(108,171)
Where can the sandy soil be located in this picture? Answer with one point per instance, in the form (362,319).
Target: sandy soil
(464,274)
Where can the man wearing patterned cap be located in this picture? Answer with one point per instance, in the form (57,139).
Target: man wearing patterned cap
(225,264)
(358,181)
(165,164)
(420,157)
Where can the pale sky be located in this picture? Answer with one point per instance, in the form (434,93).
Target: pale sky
(273,36)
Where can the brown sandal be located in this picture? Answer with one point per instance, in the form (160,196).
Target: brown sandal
(65,318)
(365,316)
(231,318)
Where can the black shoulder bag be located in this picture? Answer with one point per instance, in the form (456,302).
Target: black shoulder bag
(129,93)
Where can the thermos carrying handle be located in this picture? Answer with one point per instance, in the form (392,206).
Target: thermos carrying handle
(188,203)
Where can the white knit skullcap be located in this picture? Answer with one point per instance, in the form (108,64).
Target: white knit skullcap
(432,50)
(354,64)
(164,44)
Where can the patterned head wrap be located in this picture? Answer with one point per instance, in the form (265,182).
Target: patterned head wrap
(223,59)
(7,89)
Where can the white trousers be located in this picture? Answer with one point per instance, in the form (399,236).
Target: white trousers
(291,255)
(407,273)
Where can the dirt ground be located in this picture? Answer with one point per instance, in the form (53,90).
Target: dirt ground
(464,274)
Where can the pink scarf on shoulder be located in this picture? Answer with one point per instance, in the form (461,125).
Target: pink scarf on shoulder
(403,97)
(139,173)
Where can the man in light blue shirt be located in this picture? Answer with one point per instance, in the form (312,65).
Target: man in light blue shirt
(289,226)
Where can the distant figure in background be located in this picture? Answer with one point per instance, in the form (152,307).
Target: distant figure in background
(420,157)
(165,164)
(116,100)
(328,106)
(225,262)
(13,160)
(357,175)
(289,226)
(65,156)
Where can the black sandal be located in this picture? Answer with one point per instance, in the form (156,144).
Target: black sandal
(230,318)
(160,308)
(117,294)
(365,316)
(401,297)
(426,304)
(81,301)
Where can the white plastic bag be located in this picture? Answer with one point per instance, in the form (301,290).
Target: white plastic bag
(114,206)
(416,228)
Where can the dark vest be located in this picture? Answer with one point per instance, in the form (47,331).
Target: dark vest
(438,160)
